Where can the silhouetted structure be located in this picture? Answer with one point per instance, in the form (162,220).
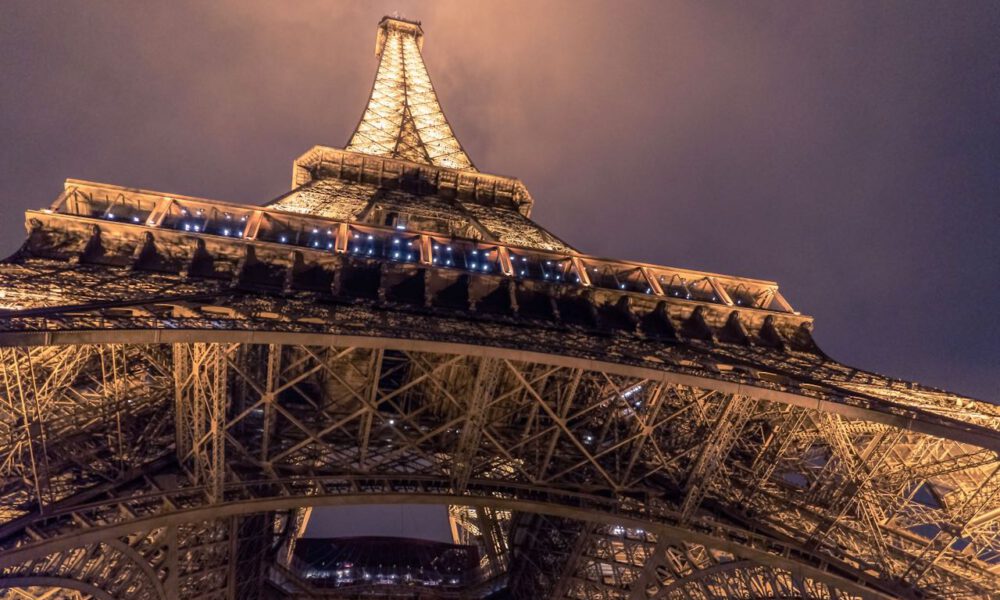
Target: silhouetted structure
(360,562)
(182,378)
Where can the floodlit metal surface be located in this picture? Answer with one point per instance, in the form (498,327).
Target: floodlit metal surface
(182,379)
(403,118)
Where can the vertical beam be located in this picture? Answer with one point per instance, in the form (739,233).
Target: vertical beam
(18,407)
(170,584)
(715,449)
(297,528)
(493,540)
(648,576)
(201,393)
(234,549)
(483,389)
(270,385)
(372,399)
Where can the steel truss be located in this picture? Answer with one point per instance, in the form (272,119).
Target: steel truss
(403,118)
(183,379)
(778,497)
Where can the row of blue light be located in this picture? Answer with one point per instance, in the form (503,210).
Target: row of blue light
(408,254)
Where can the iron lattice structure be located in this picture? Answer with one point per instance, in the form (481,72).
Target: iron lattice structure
(183,378)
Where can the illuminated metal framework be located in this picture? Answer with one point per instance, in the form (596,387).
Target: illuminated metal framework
(403,118)
(182,379)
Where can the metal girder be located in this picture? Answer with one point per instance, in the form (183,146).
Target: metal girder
(926,419)
(181,380)
(550,438)
(722,435)
(482,392)
(201,392)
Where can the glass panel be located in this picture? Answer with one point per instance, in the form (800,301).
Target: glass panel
(701,289)
(297,232)
(206,219)
(461,254)
(675,285)
(108,205)
(617,276)
(389,245)
(543,267)
(741,295)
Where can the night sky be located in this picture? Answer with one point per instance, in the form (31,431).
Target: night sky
(849,151)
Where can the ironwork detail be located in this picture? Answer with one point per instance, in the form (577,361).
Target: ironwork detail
(181,380)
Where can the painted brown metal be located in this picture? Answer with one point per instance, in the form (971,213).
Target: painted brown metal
(183,378)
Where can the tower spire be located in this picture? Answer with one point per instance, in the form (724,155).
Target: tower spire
(403,118)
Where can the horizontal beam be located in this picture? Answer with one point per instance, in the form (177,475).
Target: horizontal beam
(912,419)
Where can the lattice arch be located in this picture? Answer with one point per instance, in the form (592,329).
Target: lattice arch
(181,379)
(275,427)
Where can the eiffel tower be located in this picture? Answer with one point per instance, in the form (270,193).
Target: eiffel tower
(183,380)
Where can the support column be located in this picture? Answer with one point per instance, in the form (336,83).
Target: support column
(201,393)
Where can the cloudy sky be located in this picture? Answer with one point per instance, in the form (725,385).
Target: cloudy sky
(849,151)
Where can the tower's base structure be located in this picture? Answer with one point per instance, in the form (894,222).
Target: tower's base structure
(182,379)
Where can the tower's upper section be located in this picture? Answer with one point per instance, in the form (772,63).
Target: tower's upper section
(403,118)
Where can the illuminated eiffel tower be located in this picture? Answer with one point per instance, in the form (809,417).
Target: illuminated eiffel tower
(182,379)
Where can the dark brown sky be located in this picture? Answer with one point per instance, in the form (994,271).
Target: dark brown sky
(850,151)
